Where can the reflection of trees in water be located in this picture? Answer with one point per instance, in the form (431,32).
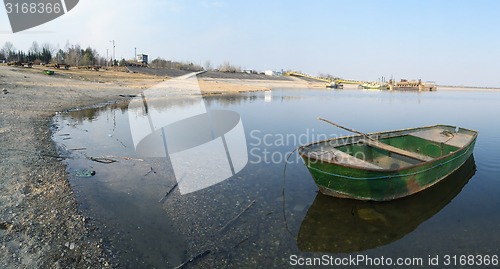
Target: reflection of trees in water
(165,103)
(290,97)
(227,100)
(162,104)
(92,113)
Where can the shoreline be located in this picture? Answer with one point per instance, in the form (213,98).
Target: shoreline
(40,224)
(468,88)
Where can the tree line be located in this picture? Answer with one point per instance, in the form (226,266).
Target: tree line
(168,64)
(46,53)
(75,55)
(189,66)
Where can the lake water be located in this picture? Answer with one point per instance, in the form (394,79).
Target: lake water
(148,222)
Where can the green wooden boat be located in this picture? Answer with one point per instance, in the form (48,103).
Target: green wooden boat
(387,165)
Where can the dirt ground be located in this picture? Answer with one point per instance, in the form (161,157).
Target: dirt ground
(40,226)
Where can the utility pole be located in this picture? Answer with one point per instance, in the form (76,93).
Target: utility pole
(113,41)
(135,54)
(107,58)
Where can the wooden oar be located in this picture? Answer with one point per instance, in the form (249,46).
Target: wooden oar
(347,129)
(381,145)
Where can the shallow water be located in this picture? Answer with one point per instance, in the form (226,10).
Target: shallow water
(144,227)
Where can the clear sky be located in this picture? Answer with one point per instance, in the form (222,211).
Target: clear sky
(450,42)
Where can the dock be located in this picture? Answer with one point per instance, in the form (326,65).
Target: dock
(412,85)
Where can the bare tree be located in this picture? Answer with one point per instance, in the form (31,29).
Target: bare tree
(159,63)
(9,50)
(60,56)
(227,67)
(35,48)
(73,55)
(49,47)
(208,65)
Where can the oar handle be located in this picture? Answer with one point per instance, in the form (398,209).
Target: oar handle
(345,128)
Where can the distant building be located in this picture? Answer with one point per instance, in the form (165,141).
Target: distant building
(270,73)
(142,58)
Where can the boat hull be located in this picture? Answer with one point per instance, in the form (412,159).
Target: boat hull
(384,184)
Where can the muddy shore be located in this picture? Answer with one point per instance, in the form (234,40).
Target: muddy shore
(40,225)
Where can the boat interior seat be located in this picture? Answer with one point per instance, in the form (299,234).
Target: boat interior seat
(441,135)
(389,148)
(340,157)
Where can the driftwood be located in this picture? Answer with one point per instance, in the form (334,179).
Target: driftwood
(128,95)
(199,256)
(150,171)
(119,141)
(168,193)
(102,160)
(235,218)
(132,159)
(244,240)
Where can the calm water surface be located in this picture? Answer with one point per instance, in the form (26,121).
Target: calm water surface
(144,228)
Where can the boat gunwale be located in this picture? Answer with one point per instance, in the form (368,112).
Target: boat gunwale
(473,138)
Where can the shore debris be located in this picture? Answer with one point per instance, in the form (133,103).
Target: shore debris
(128,95)
(235,218)
(150,171)
(243,241)
(199,256)
(168,193)
(102,160)
(84,173)
(132,159)
(5,226)
(69,245)
(48,72)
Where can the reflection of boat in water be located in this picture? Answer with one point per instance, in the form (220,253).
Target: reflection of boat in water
(343,225)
